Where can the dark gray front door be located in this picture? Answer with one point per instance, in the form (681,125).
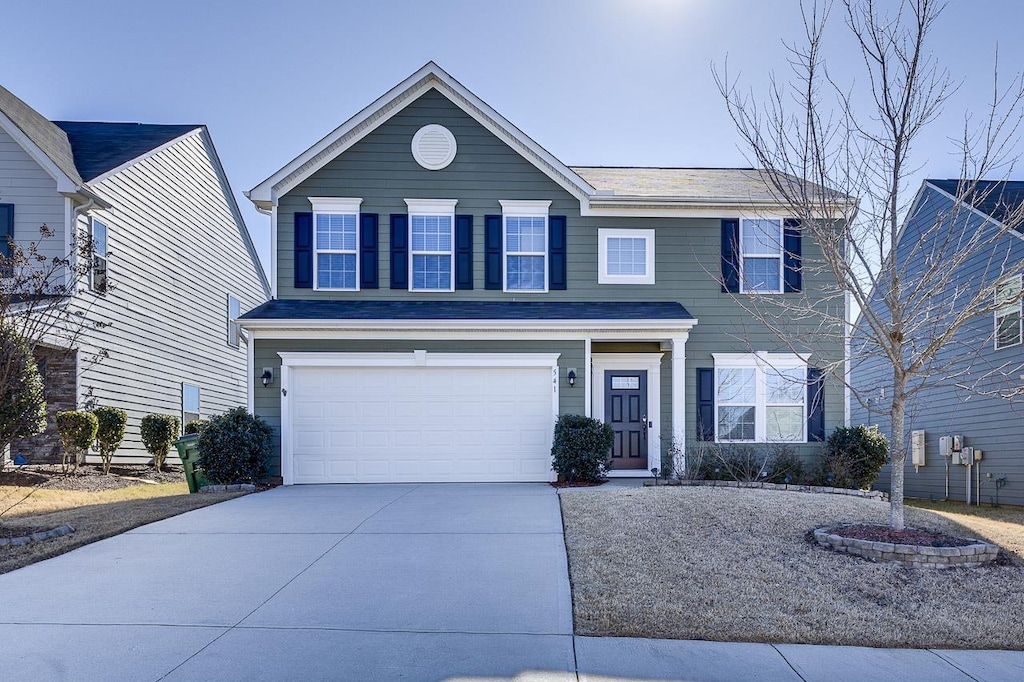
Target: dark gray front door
(625,408)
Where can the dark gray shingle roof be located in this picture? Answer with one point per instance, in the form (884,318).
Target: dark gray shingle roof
(1001,199)
(295,309)
(102,147)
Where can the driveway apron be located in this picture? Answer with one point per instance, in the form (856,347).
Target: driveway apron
(433,581)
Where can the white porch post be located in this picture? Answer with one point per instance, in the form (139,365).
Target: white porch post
(679,393)
(588,379)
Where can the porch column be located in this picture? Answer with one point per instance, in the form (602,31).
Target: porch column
(587,372)
(679,393)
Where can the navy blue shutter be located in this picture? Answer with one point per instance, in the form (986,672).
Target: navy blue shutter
(791,256)
(705,403)
(557,279)
(399,251)
(303,250)
(731,256)
(463,252)
(368,275)
(815,405)
(492,253)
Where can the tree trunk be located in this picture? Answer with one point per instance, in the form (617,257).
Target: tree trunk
(897,450)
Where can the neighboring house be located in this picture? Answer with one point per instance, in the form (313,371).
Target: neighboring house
(172,266)
(444,287)
(967,389)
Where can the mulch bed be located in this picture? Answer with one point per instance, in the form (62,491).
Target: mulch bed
(578,484)
(907,536)
(88,477)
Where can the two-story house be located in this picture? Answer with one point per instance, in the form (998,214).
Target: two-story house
(444,287)
(959,240)
(172,266)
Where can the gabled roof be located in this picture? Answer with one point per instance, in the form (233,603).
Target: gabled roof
(1001,200)
(43,133)
(101,147)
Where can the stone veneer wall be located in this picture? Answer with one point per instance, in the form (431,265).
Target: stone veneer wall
(60,390)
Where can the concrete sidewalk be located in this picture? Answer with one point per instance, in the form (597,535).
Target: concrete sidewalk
(372,582)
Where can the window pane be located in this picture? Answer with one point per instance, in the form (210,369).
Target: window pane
(189,398)
(1008,290)
(336,270)
(525,273)
(99,238)
(431,233)
(784,423)
(736,423)
(431,272)
(524,234)
(335,231)
(786,385)
(736,385)
(625,383)
(761,237)
(761,274)
(1008,330)
(627,256)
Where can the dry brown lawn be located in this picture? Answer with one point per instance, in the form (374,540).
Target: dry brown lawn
(94,515)
(731,564)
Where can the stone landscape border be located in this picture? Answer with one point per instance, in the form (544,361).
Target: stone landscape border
(868,494)
(37,537)
(978,553)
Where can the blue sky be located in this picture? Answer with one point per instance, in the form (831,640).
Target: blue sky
(596,82)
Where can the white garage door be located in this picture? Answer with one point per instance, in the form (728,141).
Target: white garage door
(424,424)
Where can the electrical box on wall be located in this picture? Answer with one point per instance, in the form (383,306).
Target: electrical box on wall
(967,457)
(945,446)
(917,448)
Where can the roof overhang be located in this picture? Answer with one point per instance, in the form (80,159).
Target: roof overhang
(65,184)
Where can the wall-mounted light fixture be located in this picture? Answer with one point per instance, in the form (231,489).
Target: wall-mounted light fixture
(267,377)
(571,377)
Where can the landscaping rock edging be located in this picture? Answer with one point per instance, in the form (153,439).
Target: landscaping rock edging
(868,494)
(976,554)
(37,537)
(232,488)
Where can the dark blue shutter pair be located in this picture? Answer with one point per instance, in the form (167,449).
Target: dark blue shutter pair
(791,256)
(368,277)
(706,404)
(557,253)
(400,251)
(6,229)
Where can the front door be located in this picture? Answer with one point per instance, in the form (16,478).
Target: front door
(625,408)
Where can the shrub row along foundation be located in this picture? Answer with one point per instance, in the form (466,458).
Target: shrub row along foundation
(868,494)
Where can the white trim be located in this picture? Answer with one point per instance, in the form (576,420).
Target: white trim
(639,328)
(347,206)
(759,362)
(417,152)
(65,184)
(250,374)
(416,358)
(273,251)
(432,207)
(524,209)
(603,235)
(588,377)
(651,362)
(780,257)
(678,391)
(335,204)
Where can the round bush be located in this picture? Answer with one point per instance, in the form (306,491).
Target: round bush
(112,423)
(158,431)
(234,448)
(77,433)
(581,447)
(196,426)
(853,457)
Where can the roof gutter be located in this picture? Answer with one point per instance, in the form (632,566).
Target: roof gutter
(448,325)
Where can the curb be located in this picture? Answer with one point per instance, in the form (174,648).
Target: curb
(37,537)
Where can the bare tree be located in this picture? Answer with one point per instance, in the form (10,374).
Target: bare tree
(38,309)
(841,158)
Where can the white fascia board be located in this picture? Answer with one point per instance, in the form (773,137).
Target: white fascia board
(668,207)
(455,325)
(391,103)
(417,358)
(65,185)
(551,335)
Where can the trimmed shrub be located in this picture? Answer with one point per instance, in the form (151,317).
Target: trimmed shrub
(785,466)
(581,446)
(112,423)
(22,401)
(77,431)
(741,462)
(853,457)
(158,432)
(196,426)
(234,448)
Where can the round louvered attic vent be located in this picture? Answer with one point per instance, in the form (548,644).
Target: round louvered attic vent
(433,147)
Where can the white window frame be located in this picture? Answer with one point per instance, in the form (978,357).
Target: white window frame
(97,258)
(334,206)
(603,276)
(524,209)
(761,362)
(1001,310)
(234,311)
(744,257)
(432,207)
(199,403)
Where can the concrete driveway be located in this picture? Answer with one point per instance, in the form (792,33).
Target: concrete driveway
(372,582)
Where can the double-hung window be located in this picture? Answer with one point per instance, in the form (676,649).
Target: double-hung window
(336,243)
(431,238)
(1008,312)
(525,239)
(760,397)
(761,256)
(98,271)
(625,256)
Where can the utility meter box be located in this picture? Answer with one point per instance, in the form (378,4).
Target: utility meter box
(967,457)
(946,446)
(977,455)
(917,448)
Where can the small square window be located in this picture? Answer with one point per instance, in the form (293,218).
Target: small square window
(625,256)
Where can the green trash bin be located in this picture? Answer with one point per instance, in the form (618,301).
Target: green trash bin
(188,451)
